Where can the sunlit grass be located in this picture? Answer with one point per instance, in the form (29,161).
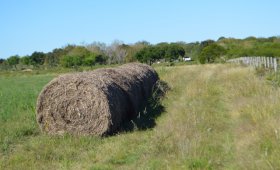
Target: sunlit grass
(216,117)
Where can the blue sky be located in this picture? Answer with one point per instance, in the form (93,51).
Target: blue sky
(42,25)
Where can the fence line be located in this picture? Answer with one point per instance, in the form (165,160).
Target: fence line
(266,62)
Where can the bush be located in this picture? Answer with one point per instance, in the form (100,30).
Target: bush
(210,53)
(71,61)
(89,60)
(13,60)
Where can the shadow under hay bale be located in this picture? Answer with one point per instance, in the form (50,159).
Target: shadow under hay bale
(150,110)
(96,102)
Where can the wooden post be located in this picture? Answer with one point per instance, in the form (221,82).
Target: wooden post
(267,61)
(271,62)
(251,61)
(275,64)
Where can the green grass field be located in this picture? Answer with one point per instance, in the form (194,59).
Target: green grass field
(216,117)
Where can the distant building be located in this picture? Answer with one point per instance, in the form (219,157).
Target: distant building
(187,59)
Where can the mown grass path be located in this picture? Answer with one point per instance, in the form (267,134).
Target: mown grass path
(222,117)
(216,117)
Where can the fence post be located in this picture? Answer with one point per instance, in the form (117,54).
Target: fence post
(275,64)
(271,62)
(250,61)
(267,62)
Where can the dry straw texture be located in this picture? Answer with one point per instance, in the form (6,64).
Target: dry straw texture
(96,102)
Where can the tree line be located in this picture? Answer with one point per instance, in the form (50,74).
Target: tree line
(96,53)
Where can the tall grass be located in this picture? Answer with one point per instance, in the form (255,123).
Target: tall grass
(216,117)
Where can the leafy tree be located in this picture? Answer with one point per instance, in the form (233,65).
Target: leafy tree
(100,59)
(77,56)
(141,55)
(148,54)
(162,50)
(25,60)
(221,38)
(174,51)
(144,43)
(2,61)
(210,53)
(206,43)
(89,60)
(79,51)
(251,46)
(133,49)
(192,50)
(37,58)
(251,38)
(13,60)
(71,61)
(3,64)
(52,59)
(97,47)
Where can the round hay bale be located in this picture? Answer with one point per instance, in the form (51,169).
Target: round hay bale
(96,102)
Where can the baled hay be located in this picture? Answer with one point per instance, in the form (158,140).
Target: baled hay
(96,102)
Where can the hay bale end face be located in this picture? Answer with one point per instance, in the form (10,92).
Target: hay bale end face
(95,102)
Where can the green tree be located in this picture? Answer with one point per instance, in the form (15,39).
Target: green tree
(100,59)
(135,48)
(210,53)
(13,60)
(221,38)
(148,54)
(174,51)
(192,50)
(25,60)
(89,60)
(79,51)
(2,61)
(77,56)
(71,61)
(53,58)
(37,58)
(161,49)
(206,43)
